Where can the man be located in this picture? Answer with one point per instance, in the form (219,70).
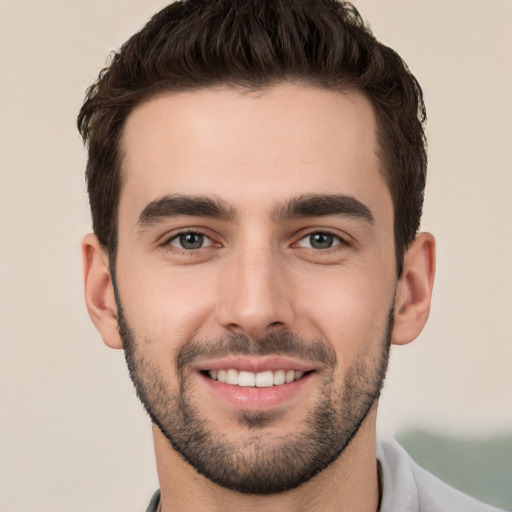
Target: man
(256,174)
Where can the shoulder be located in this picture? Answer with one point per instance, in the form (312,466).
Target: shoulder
(409,488)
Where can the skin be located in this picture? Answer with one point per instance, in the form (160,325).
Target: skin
(258,273)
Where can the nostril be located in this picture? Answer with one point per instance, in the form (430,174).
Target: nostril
(277,324)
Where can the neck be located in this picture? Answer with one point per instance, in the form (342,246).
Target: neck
(350,483)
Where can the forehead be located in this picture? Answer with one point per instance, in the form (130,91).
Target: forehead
(251,148)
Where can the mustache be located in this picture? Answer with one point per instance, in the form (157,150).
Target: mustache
(280,344)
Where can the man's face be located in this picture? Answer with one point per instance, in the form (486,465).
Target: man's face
(256,248)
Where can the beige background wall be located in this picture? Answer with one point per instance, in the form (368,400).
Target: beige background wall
(72,434)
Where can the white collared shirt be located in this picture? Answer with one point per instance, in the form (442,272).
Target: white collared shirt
(409,488)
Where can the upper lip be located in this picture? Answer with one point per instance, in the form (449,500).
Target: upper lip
(255,364)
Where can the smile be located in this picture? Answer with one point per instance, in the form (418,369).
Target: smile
(256,384)
(249,379)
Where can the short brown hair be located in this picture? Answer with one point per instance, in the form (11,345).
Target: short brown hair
(193,44)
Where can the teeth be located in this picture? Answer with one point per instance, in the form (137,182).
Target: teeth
(264,379)
(260,380)
(279,377)
(232,377)
(246,379)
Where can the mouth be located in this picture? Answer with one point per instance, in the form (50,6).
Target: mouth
(248,379)
(258,384)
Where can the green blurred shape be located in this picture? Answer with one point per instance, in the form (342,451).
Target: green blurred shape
(481,468)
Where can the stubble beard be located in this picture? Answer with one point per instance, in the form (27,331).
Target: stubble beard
(255,465)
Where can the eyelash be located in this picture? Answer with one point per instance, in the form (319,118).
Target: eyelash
(338,241)
(189,252)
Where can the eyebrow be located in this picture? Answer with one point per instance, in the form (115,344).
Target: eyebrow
(310,205)
(322,205)
(180,205)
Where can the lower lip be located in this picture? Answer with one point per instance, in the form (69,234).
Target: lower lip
(256,399)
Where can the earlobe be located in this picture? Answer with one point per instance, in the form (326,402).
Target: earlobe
(414,290)
(99,291)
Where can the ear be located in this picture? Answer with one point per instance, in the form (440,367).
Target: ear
(99,292)
(414,289)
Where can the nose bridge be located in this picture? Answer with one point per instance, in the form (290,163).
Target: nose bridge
(254,291)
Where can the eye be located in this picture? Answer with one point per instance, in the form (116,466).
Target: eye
(320,240)
(190,241)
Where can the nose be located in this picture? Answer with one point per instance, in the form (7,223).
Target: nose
(254,295)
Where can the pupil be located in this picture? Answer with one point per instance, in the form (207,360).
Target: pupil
(191,241)
(321,241)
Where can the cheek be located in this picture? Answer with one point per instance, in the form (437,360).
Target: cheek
(350,310)
(165,305)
